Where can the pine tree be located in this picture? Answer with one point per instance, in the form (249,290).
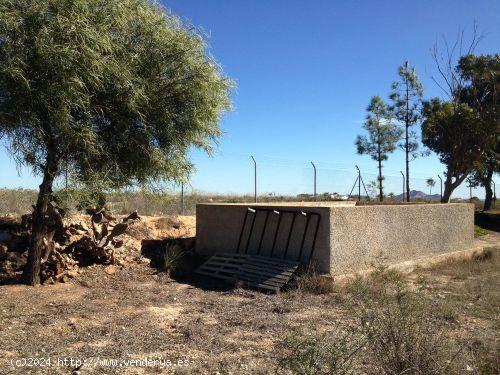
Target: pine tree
(406,99)
(382,138)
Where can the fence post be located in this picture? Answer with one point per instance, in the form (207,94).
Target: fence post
(404,182)
(254,178)
(359,184)
(314,180)
(441,185)
(470,189)
(182,198)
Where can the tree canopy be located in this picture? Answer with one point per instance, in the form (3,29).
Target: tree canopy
(482,76)
(118,89)
(406,105)
(457,135)
(382,137)
(465,132)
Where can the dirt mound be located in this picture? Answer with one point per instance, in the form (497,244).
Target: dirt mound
(83,240)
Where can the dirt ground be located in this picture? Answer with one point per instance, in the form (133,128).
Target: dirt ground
(200,325)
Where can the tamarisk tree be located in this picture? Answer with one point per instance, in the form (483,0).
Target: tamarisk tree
(459,137)
(382,137)
(482,82)
(119,90)
(406,99)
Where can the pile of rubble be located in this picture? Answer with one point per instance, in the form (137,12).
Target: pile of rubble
(68,245)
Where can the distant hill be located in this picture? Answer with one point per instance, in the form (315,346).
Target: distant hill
(417,194)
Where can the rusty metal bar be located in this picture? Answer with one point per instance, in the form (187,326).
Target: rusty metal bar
(314,240)
(290,234)
(251,228)
(276,232)
(263,232)
(241,231)
(308,219)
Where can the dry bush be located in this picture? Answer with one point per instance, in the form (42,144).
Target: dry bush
(312,282)
(326,354)
(401,327)
(398,331)
(17,201)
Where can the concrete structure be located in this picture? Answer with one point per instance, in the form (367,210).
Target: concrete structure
(350,237)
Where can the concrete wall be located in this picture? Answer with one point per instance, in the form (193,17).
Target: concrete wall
(363,235)
(350,237)
(218,227)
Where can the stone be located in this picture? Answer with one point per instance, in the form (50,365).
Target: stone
(110,270)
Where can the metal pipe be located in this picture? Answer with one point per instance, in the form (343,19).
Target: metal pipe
(251,228)
(314,180)
(263,232)
(470,189)
(404,182)
(441,184)
(254,178)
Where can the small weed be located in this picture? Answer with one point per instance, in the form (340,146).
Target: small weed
(312,282)
(178,261)
(478,231)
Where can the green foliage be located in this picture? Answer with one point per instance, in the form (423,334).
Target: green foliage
(482,74)
(118,89)
(406,97)
(465,132)
(430,183)
(479,231)
(383,135)
(456,133)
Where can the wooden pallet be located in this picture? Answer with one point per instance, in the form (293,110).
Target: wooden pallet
(252,270)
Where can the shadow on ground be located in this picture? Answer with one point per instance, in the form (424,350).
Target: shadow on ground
(488,220)
(184,269)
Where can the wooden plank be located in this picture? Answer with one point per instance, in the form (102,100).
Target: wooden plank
(263,274)
(273,260)
(270,282)
(287,272)
(253,270)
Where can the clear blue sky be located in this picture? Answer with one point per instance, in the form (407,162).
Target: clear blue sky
(305,71)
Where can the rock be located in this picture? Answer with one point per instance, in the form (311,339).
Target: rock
(110,270)
(5,236)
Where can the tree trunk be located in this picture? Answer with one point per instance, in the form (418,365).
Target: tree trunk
(489,191)
(407,139)
(381,192)
(379,159)
(450,186)
(31,273)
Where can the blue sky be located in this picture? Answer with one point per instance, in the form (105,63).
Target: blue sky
(305,71)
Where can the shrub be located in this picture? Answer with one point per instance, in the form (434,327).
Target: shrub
(311,282)
(325,354)
(400,327)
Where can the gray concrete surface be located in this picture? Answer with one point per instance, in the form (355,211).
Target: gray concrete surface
(350,237)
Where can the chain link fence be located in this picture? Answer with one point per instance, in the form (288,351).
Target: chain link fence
(232,178)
